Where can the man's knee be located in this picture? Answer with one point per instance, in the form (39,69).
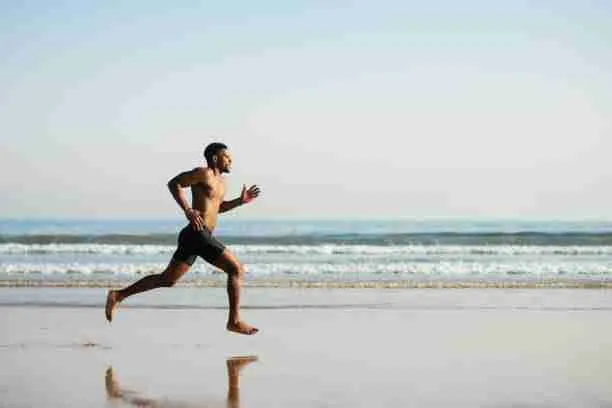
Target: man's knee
(172,274)
(235,269)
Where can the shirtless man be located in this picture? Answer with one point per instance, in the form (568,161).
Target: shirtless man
(207,191)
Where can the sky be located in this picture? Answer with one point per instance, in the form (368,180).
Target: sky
(336,109)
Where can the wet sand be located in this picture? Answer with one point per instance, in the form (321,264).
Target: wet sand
(317,347)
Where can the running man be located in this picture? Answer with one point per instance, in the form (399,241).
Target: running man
(207,192)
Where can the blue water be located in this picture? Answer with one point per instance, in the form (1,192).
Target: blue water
(300,227)
(331,252)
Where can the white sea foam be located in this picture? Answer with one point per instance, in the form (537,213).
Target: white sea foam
(89,269)
(340,270)
(324,249)
(102,249)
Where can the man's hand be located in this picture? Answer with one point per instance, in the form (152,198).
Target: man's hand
(195,219)
(246,196)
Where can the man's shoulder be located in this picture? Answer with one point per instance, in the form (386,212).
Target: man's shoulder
(196,174)
(202,170)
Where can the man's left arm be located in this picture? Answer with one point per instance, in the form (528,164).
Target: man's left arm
(246,196)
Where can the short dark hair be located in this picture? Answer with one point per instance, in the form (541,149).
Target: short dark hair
(212,149)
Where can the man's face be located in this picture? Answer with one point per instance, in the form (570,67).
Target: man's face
(224,161)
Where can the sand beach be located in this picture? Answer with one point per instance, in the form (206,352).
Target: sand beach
(317,348)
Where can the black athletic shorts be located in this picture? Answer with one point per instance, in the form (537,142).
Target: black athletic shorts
(192,243)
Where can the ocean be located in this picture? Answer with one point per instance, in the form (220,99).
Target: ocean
(369,301)
(320,253)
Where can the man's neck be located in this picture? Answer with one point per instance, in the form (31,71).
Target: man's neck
(216,172)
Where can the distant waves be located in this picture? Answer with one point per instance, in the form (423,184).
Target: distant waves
(315,249)
(433,259)
(378,239)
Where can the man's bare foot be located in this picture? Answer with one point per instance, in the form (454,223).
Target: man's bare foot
(241,328)
(111,304)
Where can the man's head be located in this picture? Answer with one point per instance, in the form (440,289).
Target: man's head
(217,157)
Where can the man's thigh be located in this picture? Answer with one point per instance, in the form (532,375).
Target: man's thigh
(208,247)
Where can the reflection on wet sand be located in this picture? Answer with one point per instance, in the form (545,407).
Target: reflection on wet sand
(234,365)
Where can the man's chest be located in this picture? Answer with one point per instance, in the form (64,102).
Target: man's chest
(211,189)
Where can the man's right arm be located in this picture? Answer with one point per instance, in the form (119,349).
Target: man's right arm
(176,185)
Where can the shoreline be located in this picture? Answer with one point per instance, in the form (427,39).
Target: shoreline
(531,283)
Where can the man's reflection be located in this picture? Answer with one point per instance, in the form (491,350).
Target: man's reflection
(234,366)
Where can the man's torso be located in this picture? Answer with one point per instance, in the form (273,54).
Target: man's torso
(207,197)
